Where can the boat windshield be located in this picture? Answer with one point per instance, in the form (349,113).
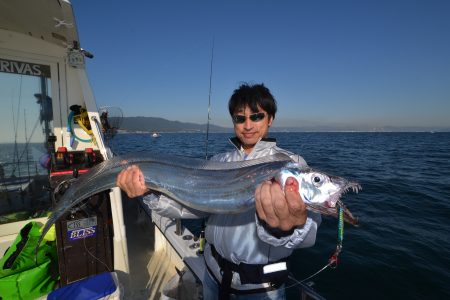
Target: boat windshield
(26,120)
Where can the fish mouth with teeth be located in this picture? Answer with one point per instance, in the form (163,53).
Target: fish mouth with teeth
(330,206)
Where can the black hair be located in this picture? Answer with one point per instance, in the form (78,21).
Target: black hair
(252,96)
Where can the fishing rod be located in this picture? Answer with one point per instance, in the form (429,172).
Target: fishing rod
(209,101)
(202,239)
(16,124)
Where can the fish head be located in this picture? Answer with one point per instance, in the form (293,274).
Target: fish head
(320,192)
(321,189)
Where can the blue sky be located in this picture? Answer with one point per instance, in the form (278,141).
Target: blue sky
(359,63)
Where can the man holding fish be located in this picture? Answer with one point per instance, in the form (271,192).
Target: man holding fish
(246,252)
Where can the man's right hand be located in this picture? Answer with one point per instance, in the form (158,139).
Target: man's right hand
(131,181)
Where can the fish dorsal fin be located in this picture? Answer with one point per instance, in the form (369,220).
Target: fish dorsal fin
(197,163)
(277,157)
(149,158)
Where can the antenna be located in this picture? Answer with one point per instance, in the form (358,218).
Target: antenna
(209,101)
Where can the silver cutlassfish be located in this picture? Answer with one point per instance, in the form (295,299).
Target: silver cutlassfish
(209,186)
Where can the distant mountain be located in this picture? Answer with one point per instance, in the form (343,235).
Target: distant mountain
(151,124)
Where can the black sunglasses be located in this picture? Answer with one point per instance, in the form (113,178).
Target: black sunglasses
(239,119)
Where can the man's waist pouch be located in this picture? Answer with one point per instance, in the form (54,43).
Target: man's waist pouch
(275,273)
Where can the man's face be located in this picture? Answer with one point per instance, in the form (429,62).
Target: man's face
(249,132)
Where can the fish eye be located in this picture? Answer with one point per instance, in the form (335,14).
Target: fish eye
(316,179)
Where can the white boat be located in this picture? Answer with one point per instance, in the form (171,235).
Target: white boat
(156,134)
(42,75)
(43,66)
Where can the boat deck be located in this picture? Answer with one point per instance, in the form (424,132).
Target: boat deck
(150,268)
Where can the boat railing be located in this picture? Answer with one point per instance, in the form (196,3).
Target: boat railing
(23,192)
(9,171)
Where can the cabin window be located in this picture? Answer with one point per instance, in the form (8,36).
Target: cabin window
(26,120)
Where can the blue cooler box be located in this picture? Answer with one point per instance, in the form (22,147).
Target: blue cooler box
(100,286)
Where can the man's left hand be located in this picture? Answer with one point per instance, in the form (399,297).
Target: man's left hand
(280,210)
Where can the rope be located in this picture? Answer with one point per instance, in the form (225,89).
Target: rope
(72,132)
(60,23)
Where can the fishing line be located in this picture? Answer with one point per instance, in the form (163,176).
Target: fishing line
(95,257)
(83,208)
(25,149)
(16,122)
(209,101)
(333,261)
(303,281)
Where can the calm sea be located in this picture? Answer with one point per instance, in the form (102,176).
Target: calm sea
(402,248)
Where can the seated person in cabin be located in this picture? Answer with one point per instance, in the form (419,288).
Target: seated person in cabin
(245,252)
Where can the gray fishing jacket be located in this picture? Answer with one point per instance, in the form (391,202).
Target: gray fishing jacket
(241,237)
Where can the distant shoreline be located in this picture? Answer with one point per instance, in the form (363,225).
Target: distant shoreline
(286,131)
(160,125)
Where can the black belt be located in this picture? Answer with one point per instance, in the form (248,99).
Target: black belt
(248,274)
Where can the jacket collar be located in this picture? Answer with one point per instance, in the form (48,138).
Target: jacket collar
(263,143)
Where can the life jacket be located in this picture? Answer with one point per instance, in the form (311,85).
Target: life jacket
(25,274)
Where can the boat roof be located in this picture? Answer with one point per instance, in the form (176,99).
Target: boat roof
(50,20)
